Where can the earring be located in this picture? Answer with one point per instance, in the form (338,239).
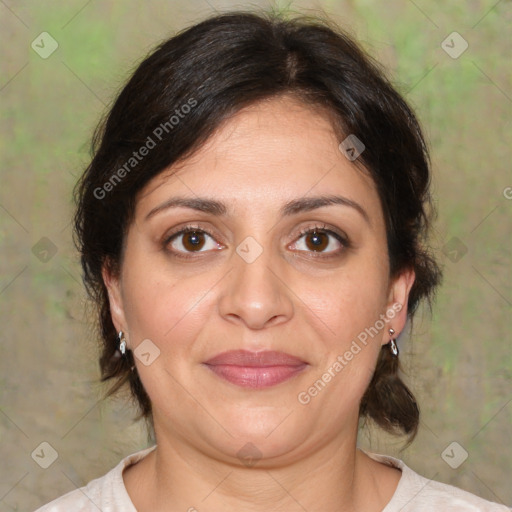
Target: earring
(122,343)
(392,344)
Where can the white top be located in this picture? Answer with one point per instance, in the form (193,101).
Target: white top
(414,493)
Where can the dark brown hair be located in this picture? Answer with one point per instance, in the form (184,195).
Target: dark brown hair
(191,83)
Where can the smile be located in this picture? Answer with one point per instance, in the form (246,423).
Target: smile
(255,370)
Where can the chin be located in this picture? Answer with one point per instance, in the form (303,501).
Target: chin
(267,438)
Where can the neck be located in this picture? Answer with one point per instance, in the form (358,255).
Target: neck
(335,477)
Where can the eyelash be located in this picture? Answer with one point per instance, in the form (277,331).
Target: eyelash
(342,238)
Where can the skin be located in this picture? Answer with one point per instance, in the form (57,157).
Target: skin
(192,309)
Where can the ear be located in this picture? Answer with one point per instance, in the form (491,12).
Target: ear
(396,308)
(113,285)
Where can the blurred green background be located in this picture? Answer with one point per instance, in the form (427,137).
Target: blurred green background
(458,362)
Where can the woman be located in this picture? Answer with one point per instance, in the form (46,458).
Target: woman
(253,229)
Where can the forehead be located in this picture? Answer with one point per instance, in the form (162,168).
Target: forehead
(271,152)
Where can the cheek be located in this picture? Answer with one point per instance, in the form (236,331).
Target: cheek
(162,307)
(338,384)
(167,305)
(352,301)
(351,306)
(170,311)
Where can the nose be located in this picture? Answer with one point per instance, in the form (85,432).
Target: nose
(255,293)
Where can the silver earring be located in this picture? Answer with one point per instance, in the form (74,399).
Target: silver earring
(392,344)
(122,343)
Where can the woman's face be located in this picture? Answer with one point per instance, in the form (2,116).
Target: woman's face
(249,279)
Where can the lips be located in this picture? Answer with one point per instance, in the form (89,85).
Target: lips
(255,369)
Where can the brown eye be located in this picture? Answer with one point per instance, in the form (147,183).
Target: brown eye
(317,241)
(190,240)
(193,240)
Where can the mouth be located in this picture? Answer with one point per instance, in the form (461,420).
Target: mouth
(255,370)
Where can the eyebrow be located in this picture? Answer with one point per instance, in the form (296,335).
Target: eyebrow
(217,208)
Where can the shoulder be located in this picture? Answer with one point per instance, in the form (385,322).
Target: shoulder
(105,493)
(416,493)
